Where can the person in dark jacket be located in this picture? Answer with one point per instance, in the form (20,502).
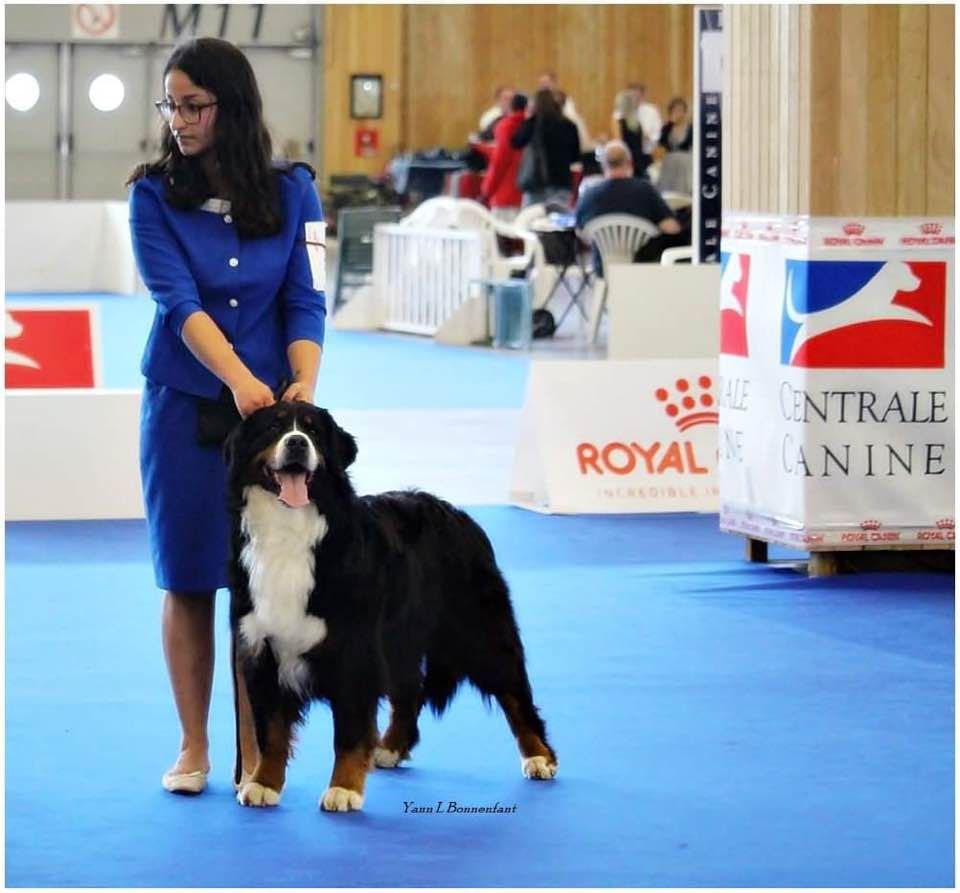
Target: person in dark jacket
(677,133)
(623,193)
(556,137)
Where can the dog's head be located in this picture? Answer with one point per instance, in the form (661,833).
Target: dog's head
(293,449)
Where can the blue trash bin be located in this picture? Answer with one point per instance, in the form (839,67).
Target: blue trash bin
(512,313)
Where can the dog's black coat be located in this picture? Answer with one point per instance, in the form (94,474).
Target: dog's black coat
(409,589)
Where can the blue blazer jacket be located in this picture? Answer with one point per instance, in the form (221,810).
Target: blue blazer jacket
(263,293)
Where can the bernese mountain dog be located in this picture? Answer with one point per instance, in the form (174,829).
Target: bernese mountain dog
(347,599)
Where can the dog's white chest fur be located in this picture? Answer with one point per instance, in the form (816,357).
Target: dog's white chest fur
(279,560)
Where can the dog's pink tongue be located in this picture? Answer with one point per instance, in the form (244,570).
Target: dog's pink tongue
(293,488)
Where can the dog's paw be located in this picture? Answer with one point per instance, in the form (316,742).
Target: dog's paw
(253,794)
(340,800)
(386,759)
(538,767)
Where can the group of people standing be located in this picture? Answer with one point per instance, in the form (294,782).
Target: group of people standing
(533,147)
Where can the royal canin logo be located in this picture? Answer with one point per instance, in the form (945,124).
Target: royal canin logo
(931,234)
(695,406)
(853,234)
(942,533)
(870,524)
(688,404)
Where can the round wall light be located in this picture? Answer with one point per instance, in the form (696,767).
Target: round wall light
(106,92)
(22,91)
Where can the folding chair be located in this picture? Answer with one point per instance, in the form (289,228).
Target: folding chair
(355,246)
(560,249)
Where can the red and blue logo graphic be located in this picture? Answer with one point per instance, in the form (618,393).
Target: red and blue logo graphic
(734,287)
(864,314)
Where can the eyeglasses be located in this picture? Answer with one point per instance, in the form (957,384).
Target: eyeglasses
(189,111)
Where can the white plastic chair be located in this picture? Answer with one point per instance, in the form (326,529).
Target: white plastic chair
(438,211)
(617,238)
(530,215)
(677,200)
(445,212)
(673,256)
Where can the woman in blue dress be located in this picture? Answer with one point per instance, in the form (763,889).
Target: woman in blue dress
(230,246)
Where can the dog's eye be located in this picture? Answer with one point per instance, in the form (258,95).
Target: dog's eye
(307,422)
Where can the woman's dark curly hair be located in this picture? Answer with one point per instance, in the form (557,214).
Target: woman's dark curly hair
(242,145)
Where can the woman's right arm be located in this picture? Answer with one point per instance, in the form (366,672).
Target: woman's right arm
(165,272)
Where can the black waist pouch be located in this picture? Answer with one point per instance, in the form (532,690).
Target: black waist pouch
(216,418)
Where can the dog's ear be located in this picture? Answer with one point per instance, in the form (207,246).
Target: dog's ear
(230,448)
(343,445)
(346,446)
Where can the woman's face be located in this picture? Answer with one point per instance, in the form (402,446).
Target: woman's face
(678,112)
(192,126)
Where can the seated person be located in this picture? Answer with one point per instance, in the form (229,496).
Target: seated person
(623,193)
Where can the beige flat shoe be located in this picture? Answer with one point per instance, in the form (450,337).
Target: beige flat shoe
(185,782)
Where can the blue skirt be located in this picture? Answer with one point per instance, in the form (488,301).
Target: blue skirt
(184,492)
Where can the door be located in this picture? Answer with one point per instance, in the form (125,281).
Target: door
(287,85)
(109,141)
(31,134)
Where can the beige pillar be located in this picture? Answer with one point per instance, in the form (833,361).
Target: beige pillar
(839,110)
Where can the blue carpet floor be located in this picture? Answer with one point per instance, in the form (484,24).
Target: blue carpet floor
(361,370)
(718,724)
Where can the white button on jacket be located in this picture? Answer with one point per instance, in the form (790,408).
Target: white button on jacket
(234,262)
(234,302)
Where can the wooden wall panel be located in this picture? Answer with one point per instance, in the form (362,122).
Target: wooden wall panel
(827,127)
(361,40)
(457,55)
(883,30)
(941,109)
(840,110)
(912,111)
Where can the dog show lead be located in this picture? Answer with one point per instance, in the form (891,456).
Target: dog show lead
(230,245)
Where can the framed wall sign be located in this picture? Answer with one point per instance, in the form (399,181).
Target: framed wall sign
(366,96)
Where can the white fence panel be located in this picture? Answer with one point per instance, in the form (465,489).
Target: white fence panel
(421,276)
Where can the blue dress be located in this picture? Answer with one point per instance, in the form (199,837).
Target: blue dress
(263,293)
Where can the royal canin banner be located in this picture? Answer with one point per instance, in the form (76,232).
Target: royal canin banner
(618,436)
(835,387)
(51,346)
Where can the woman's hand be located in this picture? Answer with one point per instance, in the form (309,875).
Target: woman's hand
(250,395)
(298,391)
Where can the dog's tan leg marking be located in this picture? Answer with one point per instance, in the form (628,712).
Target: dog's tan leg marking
(349,777)
(267,783)
(246,731)
(537,759)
